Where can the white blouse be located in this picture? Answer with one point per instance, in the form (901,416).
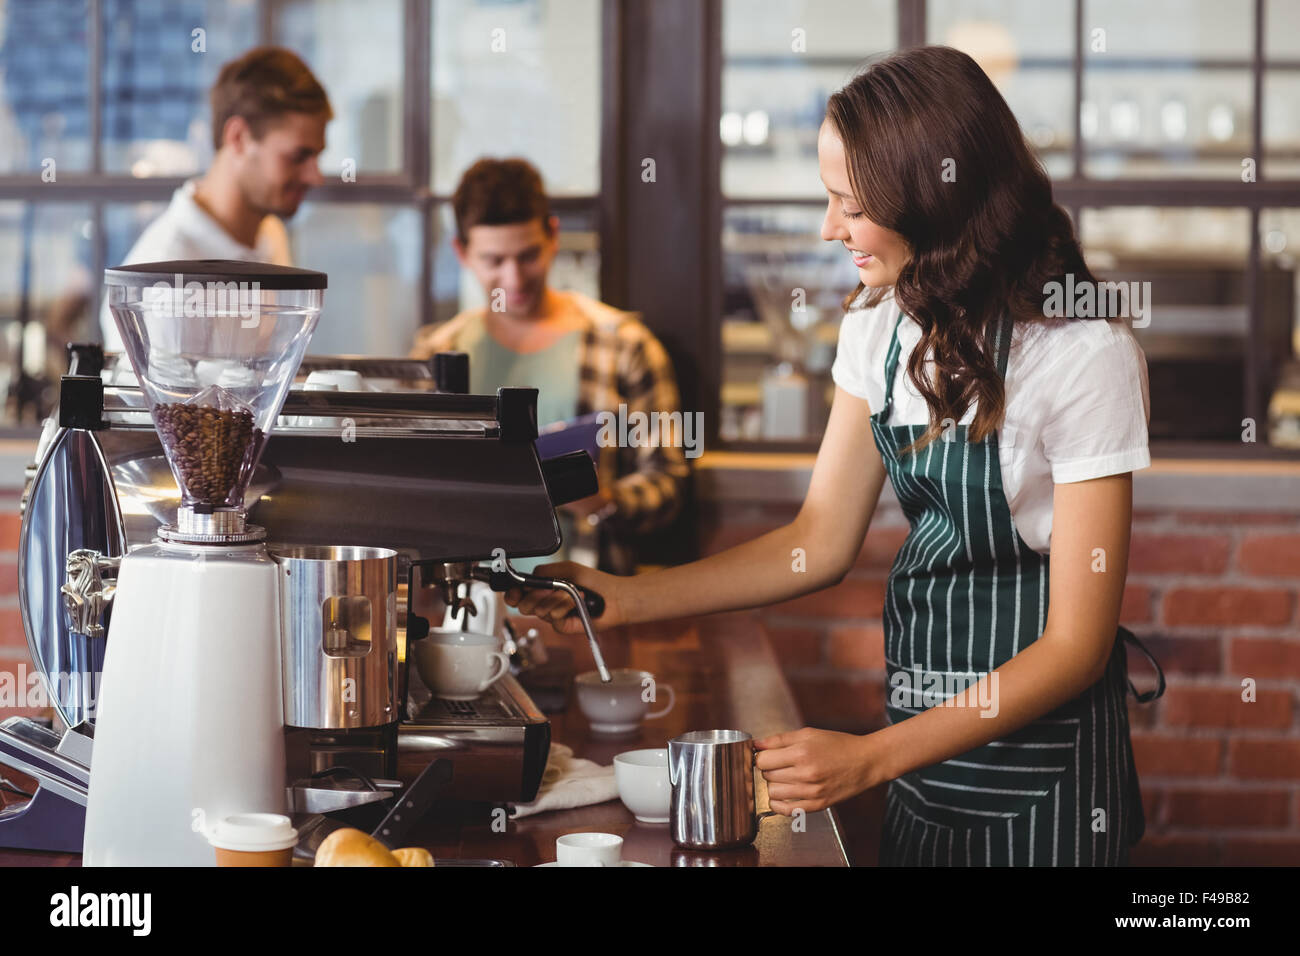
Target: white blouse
(1077,402)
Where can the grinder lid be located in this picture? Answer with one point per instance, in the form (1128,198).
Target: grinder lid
(266,275)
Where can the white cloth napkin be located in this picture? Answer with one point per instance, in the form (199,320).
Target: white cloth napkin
(567,782)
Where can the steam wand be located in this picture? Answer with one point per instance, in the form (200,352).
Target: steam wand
(502,577)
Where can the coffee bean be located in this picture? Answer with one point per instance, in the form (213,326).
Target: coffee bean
(211,448)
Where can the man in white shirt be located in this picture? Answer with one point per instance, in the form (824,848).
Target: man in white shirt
(268,128)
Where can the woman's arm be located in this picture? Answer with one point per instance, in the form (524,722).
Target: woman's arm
(1089,562)
(812,552)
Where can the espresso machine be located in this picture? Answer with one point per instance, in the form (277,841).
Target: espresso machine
(229,559)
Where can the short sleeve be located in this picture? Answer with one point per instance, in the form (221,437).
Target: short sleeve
(853,353)
(1100,412)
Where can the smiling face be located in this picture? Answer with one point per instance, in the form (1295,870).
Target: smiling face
(276,170)
(514,258)
(879,253)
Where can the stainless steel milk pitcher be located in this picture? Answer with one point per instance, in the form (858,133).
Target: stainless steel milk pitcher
(713,800)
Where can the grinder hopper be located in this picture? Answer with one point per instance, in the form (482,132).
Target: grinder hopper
(215,345)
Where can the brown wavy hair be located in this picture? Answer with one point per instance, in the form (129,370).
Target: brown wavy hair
(982,245)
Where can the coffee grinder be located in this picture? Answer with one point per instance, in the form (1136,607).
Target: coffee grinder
(190,719)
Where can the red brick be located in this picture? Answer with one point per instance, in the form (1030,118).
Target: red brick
(8,577)
(856,705)
(850,599)
(858,648)
(1164,755)
(1264,657)
(1141,716)
(1254,759)
(1176,655)
(1214,706)
(1160,850)
(1208,607)
(1280,850)
(7,712)
(1271,555)
(797,647)
(10,528)
(11,628)
(881,546)
(1275,518)
(1223,807)
(1178,553)
(1137,605)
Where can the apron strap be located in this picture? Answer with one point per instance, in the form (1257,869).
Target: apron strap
(1150,695)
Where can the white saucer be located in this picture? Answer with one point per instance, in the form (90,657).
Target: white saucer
(623,863)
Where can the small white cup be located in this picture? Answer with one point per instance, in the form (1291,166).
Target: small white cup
(589,849)
(459,665)
(643,784)
(619,706)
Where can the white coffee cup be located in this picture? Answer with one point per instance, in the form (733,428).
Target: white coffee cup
(619,706)
(459,665)
(589,849)
(643,783)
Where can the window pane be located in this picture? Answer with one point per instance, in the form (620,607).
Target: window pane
(355,50)
(1282,124)
(45,300)
(1195,327)
(44,86)
(156,120)
(123,223)
(1167,89)
(782,293)
(1279,305)
(1027,49)
(372,256)
(781,61)
(518,79)
(576,265)
(1281,30)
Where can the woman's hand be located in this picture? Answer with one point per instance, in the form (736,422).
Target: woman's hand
(813,769)
(554,606)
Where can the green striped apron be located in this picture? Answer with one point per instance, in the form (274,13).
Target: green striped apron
(965,595)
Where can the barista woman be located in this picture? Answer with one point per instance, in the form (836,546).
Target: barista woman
(1009,439)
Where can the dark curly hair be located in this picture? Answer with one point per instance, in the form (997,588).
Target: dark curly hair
(983,244)
(499,192)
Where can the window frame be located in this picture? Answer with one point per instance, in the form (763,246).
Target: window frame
(1076,193)
(411,187)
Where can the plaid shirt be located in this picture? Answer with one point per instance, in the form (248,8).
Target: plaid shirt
(620,363)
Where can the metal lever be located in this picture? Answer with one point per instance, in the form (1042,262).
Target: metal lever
(502,575)
(85,595)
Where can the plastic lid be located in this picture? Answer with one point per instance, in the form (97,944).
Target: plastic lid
(267,276)
(253,832)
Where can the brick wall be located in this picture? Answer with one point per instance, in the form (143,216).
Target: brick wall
(15,662)
(1214,596)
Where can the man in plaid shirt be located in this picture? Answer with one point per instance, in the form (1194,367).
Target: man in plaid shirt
(584,356)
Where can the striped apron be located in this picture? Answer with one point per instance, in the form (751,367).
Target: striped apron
(965,595)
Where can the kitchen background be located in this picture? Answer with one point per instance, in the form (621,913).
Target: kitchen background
(1170,127)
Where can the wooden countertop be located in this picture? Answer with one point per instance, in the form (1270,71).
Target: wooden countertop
(725,676)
